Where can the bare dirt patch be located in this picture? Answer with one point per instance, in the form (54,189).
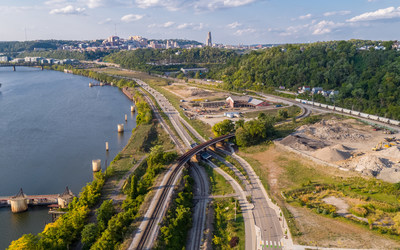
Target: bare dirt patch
(342,206)
(326,232)
(316,229)
(349,144)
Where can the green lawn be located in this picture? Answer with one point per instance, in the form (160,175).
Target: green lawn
(219,186)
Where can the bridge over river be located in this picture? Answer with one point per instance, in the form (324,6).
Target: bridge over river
(15,65)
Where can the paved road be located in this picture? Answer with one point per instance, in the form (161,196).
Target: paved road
(249,224)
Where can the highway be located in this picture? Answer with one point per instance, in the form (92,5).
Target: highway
(263,225)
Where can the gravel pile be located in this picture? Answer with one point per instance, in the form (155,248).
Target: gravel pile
(331,154)
(334,130)
(303,143)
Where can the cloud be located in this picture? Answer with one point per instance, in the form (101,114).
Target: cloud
(131,18)
(163,25)
(108,20)
(381,14)
(233,25)
(68,10)
(192,26)
(241,32)
(337,13)
(324,27)
(308,16)
(220,4)
(94,3)
(198,5)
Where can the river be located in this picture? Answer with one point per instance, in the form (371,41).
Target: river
(51,127)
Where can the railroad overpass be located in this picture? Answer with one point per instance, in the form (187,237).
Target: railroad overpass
(146,235)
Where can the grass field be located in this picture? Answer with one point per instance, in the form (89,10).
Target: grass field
(219,186)
(292,111)
(313,222)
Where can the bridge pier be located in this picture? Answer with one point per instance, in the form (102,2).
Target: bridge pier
(14,68)
(41,67)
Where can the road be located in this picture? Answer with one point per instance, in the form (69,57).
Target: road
(249,224)
(265,218)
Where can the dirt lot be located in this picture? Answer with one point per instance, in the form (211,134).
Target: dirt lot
(189,93)
(192,97)
(348,143)
(316,230)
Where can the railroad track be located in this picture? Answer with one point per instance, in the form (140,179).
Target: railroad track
(198,225)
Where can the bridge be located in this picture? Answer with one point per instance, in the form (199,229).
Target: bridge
(15,65)
(21,201)
(148,228)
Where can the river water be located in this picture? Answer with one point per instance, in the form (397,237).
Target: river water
(51,127)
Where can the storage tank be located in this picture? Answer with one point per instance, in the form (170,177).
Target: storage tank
(120,128)
(96,165)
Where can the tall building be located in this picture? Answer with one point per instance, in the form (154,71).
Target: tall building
(209,42)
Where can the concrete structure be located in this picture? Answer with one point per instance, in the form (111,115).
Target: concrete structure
(185,71)
(19,202)
(96,165)
(65,198)
(214,104)
(209,41)
(120,128)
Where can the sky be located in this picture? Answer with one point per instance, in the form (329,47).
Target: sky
(230,21)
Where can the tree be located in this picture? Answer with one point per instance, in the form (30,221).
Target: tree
(242,137)
(104,214)
(89,235)
(27,241)
(283,114)
(223,128)
(133,191)
(239,124)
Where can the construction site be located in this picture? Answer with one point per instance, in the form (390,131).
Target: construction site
(213,106)
(349,145)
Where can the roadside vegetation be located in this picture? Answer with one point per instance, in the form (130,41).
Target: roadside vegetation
(308,192)
(178,221)
(218,184)
(228,229)
(158,84)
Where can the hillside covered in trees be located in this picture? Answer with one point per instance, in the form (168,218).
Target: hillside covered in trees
(367,80)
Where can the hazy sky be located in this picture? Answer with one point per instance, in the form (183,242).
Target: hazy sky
(230,21)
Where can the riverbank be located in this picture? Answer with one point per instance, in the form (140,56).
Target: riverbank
(68,131)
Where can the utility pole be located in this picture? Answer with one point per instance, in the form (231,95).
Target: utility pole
(235,209)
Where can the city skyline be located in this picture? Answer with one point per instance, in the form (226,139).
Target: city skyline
(230,21)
